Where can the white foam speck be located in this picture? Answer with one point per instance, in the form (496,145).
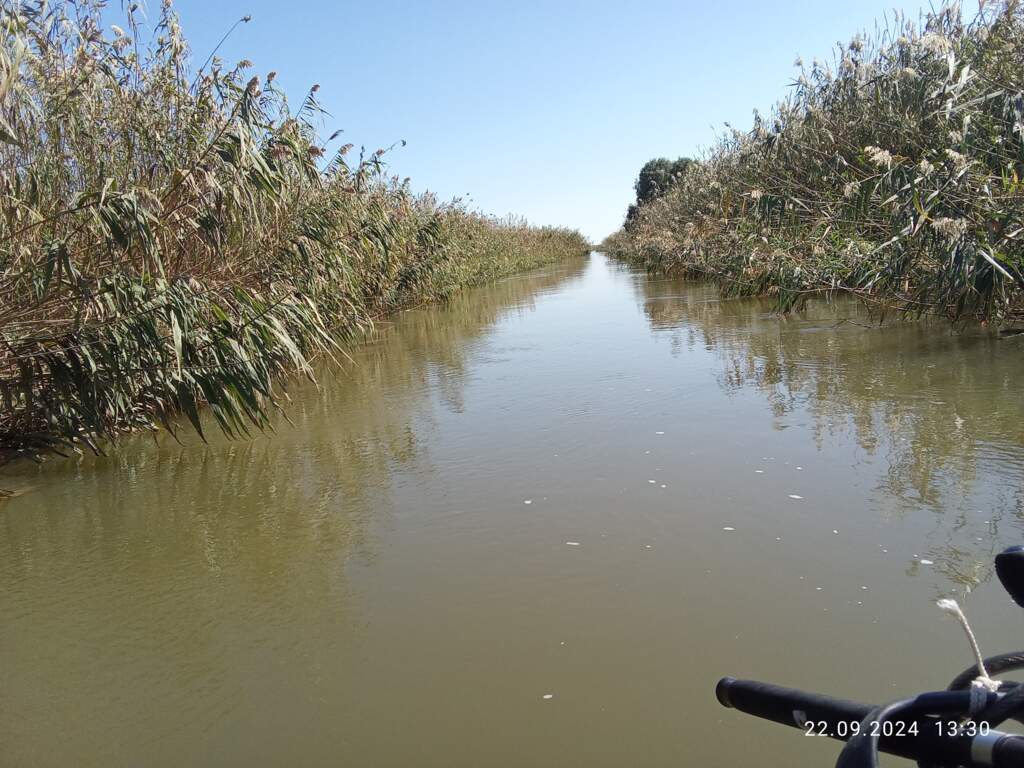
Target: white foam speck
(527,501)
(652,482)
(834,531)
(795,496)
(728,528)
(573,543)
(548,696)
(659,433)
(758,471)
(799,467)
(927,562)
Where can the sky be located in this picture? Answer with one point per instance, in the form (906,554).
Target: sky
(546,110)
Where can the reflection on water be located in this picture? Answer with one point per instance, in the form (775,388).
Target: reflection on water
(103,558)
(941,409)
(387,579)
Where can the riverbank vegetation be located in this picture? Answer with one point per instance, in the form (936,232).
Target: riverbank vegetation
(172,238)
(896,173)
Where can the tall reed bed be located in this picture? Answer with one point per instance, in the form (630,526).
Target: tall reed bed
(172,238)
(896,173)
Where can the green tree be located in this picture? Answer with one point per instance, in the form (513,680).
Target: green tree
(657,176)
(655,179)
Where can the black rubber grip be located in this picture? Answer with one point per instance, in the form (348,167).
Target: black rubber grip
(1008,752)
(795,708)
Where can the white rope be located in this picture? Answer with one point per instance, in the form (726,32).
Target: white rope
(982,684)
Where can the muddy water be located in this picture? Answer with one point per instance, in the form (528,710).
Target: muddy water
(581,483)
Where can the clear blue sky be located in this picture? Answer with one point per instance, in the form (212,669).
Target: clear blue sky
(543,109)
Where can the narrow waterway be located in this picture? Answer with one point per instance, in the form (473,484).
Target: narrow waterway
(531,527)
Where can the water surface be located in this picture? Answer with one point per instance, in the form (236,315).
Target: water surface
(578,483)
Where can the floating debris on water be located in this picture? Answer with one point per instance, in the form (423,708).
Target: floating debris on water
(927,562)
(758,471)
(548,696)
(795,496)
(652,482)
(572,543)
(835,531)
(664,486)
(799,467)
(728,528)
(527,501)
(659,433)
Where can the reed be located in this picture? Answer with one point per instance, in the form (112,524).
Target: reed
(172,238)
(896,173)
